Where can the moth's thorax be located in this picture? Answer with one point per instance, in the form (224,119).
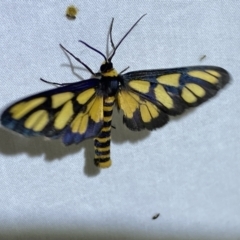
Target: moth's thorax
(110,73)
(109,82)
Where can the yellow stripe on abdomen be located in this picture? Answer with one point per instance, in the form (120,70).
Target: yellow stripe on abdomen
(103,140)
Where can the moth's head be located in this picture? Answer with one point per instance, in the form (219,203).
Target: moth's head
(107,70)
(107,66)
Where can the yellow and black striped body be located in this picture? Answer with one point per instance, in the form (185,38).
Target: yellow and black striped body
(109,86)
(103,140)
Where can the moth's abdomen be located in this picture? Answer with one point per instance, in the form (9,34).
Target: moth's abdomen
(102,141)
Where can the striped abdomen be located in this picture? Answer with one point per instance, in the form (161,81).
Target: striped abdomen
(102,141)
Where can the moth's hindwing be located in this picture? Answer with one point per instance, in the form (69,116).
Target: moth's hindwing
(74,111)
(148,97)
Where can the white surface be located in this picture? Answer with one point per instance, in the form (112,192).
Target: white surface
(187,171)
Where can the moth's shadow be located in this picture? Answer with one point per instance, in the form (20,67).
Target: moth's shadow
(13,144)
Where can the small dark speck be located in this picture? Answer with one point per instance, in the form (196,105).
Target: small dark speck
(202,57)
(155,216)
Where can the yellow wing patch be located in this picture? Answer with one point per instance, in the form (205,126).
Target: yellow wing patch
(128,102)
(64,116)
(140,86)
(213,72)
(85,96)
(95,109)
(188,96)
(21,109)
(196,89)
(210,76)
(148,112)
(80,123)
(37,120)
(170,79)
(60,98)
(163,97)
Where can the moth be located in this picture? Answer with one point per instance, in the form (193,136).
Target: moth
(81,110)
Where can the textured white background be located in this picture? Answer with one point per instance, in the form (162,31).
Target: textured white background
(188,171)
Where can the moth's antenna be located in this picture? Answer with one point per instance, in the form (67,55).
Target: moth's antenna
(94,49)
(115,47)
(77,59)
(110,34)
